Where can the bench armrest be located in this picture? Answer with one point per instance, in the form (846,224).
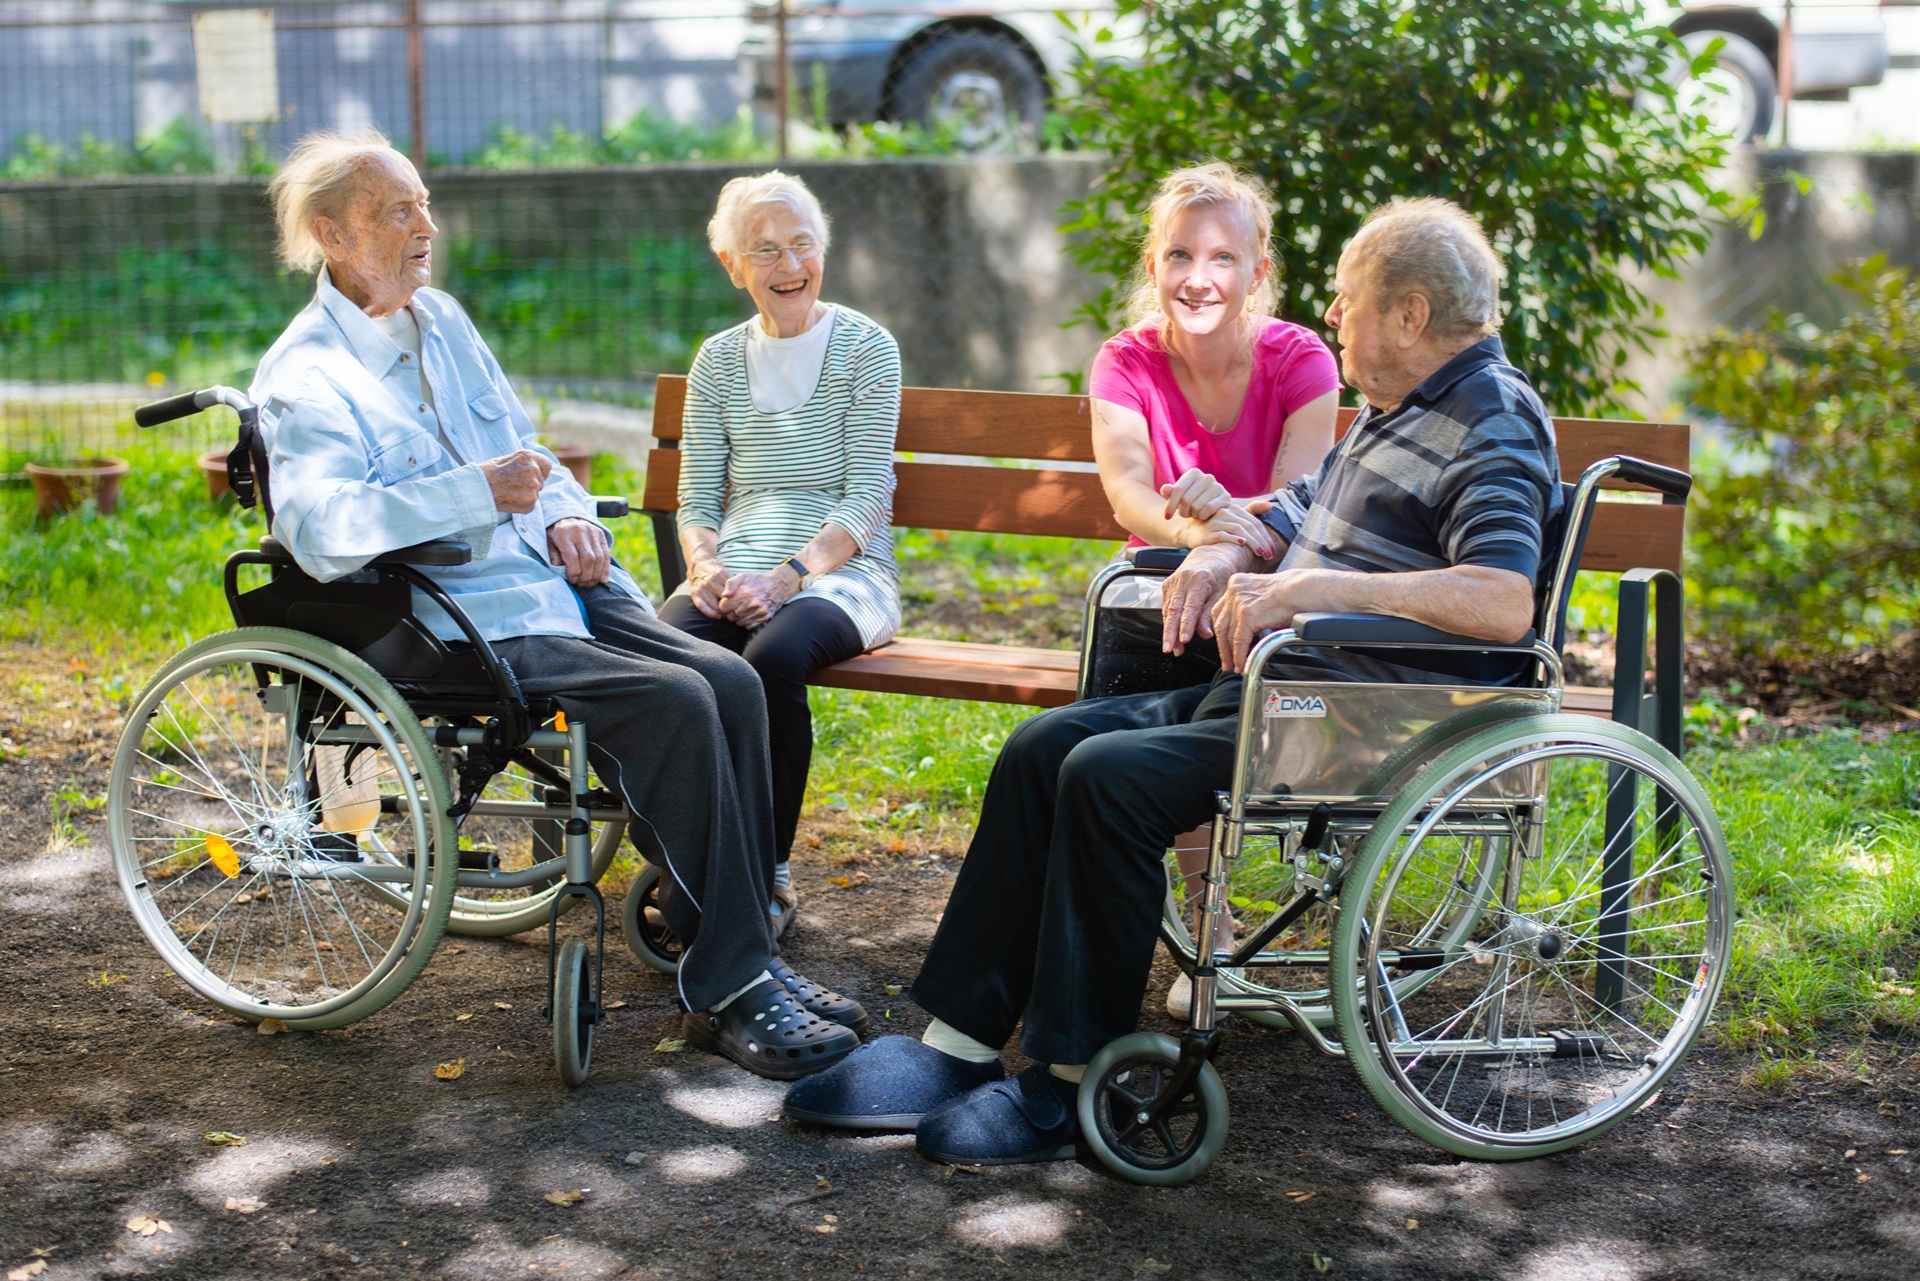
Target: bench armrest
(1380,629)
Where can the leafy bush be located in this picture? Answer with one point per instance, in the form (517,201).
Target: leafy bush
(1804,529)
(178,148)
(1523,113)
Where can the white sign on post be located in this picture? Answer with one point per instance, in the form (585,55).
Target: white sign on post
(234,63)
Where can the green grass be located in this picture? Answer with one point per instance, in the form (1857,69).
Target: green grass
(1825,830)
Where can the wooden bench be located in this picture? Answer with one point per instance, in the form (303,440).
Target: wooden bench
(1641,541)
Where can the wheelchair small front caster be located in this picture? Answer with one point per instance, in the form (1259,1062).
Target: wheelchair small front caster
(1161,1147)
(576,1008)
(646,925)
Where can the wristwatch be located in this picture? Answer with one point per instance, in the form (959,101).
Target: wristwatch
(798,568)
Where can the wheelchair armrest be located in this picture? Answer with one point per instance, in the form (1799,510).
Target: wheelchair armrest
(608,508)
(1161,558)
(439,552)
(1360,629)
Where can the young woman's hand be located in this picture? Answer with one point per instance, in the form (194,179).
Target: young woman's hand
(1196,495)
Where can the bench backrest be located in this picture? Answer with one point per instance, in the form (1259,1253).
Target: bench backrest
(1036,429)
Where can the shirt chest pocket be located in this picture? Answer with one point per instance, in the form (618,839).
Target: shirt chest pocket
(488,406)
(406,458)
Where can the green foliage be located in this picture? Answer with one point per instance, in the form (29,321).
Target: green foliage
(644,138)
(1804,528)
(1523,113)
(178,148)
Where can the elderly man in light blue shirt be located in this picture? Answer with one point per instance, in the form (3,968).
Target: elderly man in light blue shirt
(389,423)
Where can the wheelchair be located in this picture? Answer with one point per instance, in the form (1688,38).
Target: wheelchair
(1513,922)
(300,807)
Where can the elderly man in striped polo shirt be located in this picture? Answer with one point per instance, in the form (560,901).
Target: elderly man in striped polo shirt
(1432,508)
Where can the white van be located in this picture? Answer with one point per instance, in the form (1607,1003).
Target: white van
(1827,49)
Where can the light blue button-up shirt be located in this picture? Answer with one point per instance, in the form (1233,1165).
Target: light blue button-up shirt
(363,464)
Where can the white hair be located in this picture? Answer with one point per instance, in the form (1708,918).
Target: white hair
(319,180)
(1432,247)
(742,197)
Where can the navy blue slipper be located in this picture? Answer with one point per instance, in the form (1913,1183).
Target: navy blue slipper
(1030,1118)
(888,1084)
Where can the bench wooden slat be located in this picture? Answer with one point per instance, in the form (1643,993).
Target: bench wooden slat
(1634,536)
(995,424)
(954,669)
(1006,500)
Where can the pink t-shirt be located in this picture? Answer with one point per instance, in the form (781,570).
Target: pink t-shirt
(1291,367)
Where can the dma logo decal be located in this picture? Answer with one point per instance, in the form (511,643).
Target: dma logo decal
(1279,704)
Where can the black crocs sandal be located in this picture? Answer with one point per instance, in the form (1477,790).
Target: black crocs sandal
(818,1000)
(769,1033)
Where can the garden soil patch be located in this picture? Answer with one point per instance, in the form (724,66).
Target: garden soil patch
(143,1135)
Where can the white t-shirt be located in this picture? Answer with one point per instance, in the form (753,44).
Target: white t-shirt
(405,332)
(783,372)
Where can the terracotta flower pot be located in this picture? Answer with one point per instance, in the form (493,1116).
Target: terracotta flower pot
(213,465)
(64,487)
(577,459)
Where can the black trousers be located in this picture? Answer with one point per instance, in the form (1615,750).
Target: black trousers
(800,639)
(678,727)
(1056,910)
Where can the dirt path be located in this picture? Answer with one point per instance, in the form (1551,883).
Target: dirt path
(362,1165)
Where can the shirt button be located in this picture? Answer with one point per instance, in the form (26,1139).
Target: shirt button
(423,406)
(409,462)
(403,357)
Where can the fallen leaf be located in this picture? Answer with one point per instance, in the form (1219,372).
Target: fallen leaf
(323,946)
(840,882)
(896,846)
(822,1183)
(245,1204)
(225,1139)
(825,1228)
(1849,1154)
(501,1005)
(28,1271)
(830,1218)
(1863,1177)
(813,842)
(146,1225)
(451,1071)
(1888,1108)
(272,1027)
(1896,1151)
(1413,1225)
(672,1045)
(461,1018)
(614,1005)
(1320,1262)
(454,951)
(1300,1198)
(571,1196)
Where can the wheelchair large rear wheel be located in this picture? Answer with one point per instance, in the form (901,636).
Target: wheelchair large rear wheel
(278,825)
(1532,937)
(517,842)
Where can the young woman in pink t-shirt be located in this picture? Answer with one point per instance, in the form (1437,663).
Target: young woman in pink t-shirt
(1208,401)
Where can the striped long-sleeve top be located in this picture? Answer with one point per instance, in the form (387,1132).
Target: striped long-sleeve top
(768,482)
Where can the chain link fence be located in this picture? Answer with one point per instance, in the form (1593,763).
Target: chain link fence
(575,149)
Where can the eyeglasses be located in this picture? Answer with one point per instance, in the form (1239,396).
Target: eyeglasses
(766,255)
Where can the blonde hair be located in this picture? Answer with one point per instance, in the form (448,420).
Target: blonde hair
(318,181)
(1432,247)
(727,229)
(1214,184)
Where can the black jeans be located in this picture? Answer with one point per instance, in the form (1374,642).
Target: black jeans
(800,639)
(1057,907)
(677,726)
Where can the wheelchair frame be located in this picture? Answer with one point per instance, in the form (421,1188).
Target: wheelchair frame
(322,641)
(1152,1108)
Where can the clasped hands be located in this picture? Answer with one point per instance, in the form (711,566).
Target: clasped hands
(579,546)
(746,599)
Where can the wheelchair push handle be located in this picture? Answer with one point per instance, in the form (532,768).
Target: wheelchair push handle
(191,402)
(1637,471)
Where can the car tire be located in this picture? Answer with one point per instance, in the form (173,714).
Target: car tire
(1738,95)
(981,90)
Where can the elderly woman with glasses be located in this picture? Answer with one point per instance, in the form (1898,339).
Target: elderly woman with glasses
(786,478)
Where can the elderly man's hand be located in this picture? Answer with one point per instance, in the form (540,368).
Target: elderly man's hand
(515,480)
(1190,591)
(1255,603)
(583,548)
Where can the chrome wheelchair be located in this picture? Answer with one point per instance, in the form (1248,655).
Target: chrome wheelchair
(1513,922)
(300,807)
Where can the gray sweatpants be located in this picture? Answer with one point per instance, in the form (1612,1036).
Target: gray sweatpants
(678,726)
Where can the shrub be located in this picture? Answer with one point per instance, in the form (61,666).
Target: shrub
(1804,529)
(1523,113)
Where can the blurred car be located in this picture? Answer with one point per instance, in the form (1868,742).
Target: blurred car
(1835,46)
(979,73)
